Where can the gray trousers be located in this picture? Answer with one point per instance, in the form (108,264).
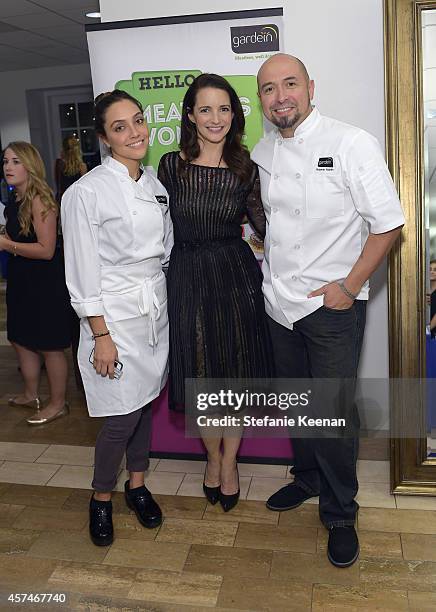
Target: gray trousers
(125,433)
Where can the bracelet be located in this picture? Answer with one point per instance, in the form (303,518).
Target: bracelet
(14,252)
(101,334)
(347,292)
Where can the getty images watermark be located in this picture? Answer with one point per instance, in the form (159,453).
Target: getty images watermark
(310,408)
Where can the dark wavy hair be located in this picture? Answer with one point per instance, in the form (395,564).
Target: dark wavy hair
(104,100)
(235,154)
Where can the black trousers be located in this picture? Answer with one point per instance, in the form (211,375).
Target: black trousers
(324,344)
(125,433)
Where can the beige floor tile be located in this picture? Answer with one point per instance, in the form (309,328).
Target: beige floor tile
(22,451)
(72,476)
(262,488)
(217,533)
(226,561)
(9,514)
(422,601)
(265,594)
(51,519)
(269,537)
(406,521)
(176,587)
(20,570)
(16,541)
(244,512)
(372,544)
(262,469)
(68,547)
(396,574)
(312,568)
(418,546)
(128,527)
(149,554)
(375,495)
(92,578)
(373,471)
(68,455)
(192,484)
(179,506)
(306,515)
(415,502)
(27,473)
(328,598)
(180,465)
(35,495)
(165,483)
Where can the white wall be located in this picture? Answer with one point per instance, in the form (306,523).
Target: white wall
(14,121)
(341,41)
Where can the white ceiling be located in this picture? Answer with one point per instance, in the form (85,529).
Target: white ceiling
(40,33)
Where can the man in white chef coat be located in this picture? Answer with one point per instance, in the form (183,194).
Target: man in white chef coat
(332,216)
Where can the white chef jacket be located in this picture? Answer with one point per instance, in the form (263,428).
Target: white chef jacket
(113,226)
(117,236)
(323,191)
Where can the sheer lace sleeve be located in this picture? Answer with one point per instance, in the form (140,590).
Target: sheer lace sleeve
(255,212)
(162,171)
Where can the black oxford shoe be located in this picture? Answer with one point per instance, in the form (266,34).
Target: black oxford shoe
(101,528)
(288,497)
(343,546)
(142,503)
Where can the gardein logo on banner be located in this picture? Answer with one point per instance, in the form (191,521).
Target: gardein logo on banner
(252,39)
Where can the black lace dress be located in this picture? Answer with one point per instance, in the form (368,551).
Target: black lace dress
(216,310)
(38,303)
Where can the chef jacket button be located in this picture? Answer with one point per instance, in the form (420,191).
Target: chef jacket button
(275,209)
(134,212)
(276,176)
(298,175)
(297,211)
(294,278)
(274,243)
(297,247)
(275,275)
(300,141)
(280,142)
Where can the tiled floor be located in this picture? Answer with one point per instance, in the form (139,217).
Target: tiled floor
(250,559)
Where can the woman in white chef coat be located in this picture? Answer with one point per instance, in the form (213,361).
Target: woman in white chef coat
(117,238)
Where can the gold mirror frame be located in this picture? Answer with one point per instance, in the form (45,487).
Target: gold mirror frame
(411,471)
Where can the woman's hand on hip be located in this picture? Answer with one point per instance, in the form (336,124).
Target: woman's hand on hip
(105,353)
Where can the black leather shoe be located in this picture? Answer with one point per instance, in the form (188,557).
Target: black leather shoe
(212,494)
(101,528)
(142,503)
(229,501)
(288,497)
(343,546)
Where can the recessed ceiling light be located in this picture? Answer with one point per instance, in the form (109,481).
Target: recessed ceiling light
(93,15)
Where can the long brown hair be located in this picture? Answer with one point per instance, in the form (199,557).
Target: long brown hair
(36,184)
(235,154)
(72,156)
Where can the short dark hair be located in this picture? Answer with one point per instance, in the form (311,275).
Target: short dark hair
(235,153)
(104,100)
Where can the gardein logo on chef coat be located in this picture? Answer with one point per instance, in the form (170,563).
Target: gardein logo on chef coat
(325,164)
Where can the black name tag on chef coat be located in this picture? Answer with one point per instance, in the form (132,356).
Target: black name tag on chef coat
(162,199)
(325,162)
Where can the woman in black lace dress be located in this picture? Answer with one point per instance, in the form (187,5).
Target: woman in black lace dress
(215,303)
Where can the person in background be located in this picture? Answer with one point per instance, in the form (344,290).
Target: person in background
(38,310)
(69,167)
(332,216)
(217,320)
(117,238)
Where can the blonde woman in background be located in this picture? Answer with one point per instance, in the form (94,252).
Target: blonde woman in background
(70,167)
(38,309)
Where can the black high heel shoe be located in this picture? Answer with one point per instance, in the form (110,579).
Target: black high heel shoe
(212,494)
(229,501)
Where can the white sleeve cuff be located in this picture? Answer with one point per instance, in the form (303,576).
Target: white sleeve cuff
(88,309)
